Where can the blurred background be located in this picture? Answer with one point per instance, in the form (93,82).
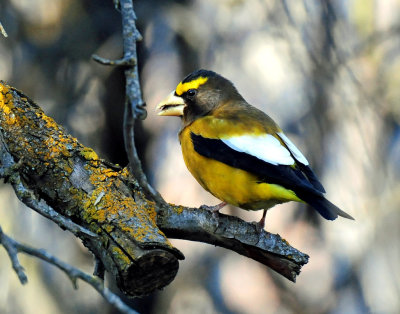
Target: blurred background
(327,71)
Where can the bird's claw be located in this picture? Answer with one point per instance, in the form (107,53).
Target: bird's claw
(213,209)
(206,207)
(259,226)
(215,214)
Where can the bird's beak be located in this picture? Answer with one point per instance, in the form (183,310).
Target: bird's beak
(171,106)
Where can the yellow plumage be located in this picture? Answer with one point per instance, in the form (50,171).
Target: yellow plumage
(231,185)
(237,152)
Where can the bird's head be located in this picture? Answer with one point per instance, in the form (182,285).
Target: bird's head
(197,95)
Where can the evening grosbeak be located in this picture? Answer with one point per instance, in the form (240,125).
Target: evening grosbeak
(237,152)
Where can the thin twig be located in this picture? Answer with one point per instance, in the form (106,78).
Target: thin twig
(13,247)
(26,196)
(134,105)
(118,62)
(9,245)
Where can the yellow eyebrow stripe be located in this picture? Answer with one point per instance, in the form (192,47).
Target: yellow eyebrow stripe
(184,87)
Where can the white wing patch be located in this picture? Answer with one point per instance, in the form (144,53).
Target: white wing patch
(265,147)
(293,149)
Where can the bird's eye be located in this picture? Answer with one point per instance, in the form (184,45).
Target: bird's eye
(191,92)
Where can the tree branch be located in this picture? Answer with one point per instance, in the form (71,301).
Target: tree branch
(13,248)
(53,167)
(232,233)
(12,251)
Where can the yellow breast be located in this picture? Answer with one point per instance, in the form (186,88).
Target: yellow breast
(234,186)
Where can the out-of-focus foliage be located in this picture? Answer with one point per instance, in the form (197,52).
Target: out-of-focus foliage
(327,71)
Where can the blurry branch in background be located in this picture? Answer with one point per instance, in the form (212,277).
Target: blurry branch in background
(373,40)
(3,31)
(13,248)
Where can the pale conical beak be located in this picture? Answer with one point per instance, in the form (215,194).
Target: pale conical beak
(171,106)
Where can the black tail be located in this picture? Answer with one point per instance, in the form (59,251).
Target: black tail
(324,207)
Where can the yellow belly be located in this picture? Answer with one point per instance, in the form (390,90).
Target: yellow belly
(234,186)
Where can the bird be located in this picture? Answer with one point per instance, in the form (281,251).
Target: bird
(237,152)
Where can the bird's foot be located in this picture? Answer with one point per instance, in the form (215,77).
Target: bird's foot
(214,209)
(261,224)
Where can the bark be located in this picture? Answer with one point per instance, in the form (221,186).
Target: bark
(102,198)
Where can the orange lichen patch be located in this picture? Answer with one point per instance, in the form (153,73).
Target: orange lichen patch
(6,104)
(49,122)
(55,147)
(125,172)
(284,241)
(151,210)
(89,154)
(105,208)
(118,253)
(33,135)
(178,209)
(3,91)
(100,174)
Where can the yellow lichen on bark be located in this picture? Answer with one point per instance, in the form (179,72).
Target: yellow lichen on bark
(50,147)
(6,103)
(89,154)
(36,135)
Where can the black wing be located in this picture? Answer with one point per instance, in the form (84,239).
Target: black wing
(286,176)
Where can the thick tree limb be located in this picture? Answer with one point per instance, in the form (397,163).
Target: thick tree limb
(115,219)
(14,247)
(54,167)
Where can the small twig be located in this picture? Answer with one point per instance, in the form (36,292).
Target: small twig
(9,245)
(118,62)
(3,31)
(28,198)
(13,248)
(134,104)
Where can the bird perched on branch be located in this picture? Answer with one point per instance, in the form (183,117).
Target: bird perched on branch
(237,152)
